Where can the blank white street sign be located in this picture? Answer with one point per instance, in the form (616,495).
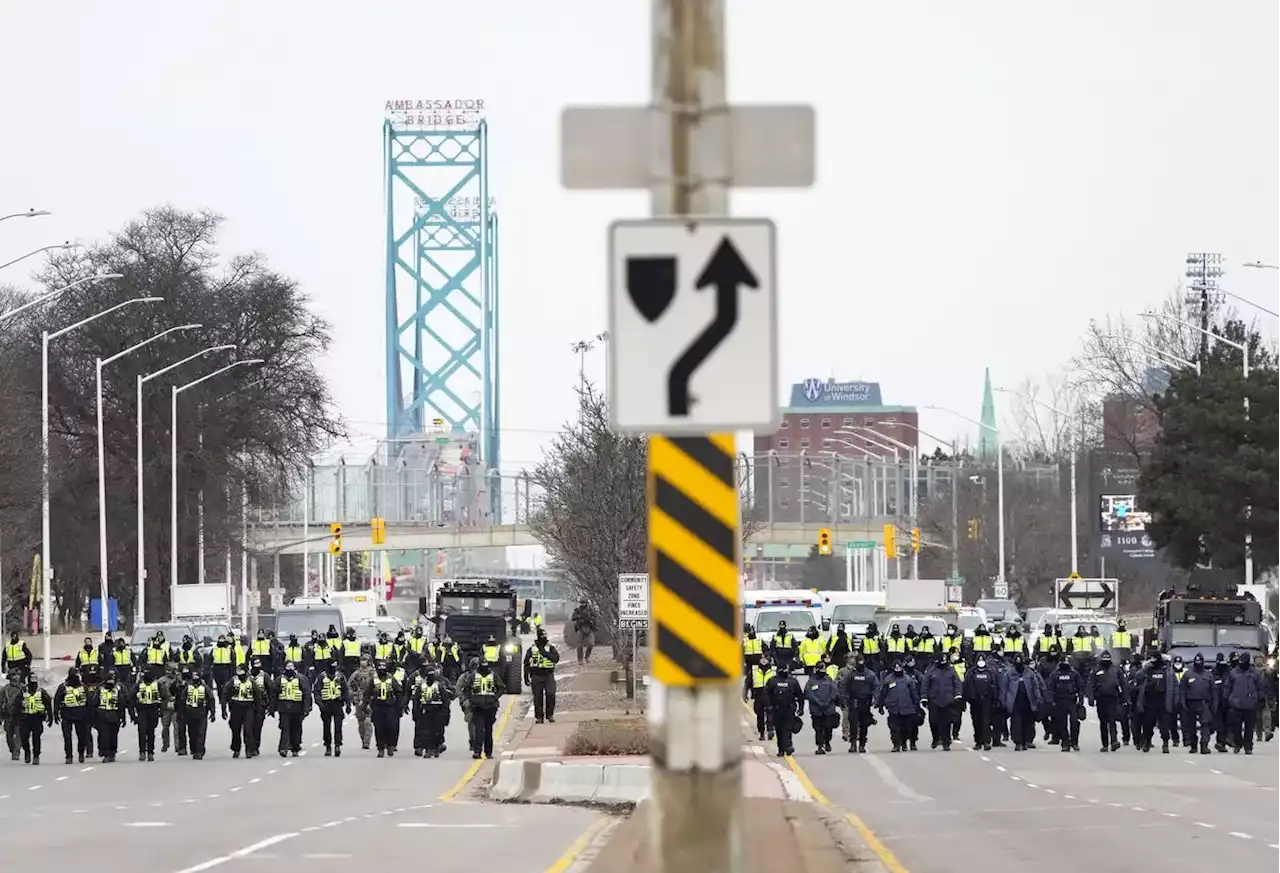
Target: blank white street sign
(693,343)
(633,601)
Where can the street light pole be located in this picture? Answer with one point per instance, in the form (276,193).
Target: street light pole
(913,453)
(102,464)
(56,292)
(54,248)
(46,545)
(140,610)
(999,481)
(30,213)
(173,471)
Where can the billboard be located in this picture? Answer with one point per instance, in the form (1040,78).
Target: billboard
(1122,522)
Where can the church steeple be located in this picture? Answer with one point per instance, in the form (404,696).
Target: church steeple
(986,438)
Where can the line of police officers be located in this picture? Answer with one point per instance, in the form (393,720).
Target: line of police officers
(1007,690)
(247,681)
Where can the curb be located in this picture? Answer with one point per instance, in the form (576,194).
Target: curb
(615,786)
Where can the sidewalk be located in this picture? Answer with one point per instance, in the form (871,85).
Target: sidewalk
(777,835)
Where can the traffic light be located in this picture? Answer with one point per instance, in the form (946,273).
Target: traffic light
(824,541)
(891,540)
(378,528)
(335,539)
(915,540)
(974,528)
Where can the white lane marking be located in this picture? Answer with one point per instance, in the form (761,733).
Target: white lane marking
(1240,835)
(1050,791)
(1016,778)
(272,772)
(285,764)
(330,824)
(34,788)
(1137,809)
(428,824)
(303,752)
(62,778)
(1115,805)
(315,745)
(157,804)
(254,781)
(147,824)
(1215,772)
(85,769)
(237,788)
(1069,796)
(1002,769)
(1202,824)
(212,796)
(78,811)
(889,778)
(1032,785)
(984,757)
(1091,800)
(310,829)
(238,853)
(1169,814)
(4,796)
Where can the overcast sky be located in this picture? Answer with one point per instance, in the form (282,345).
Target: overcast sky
(991,174)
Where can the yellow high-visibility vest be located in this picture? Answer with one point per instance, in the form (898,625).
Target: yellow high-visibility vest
(291,689)
(33,704)
(149,693)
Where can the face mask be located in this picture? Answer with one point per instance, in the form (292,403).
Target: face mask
(73,681)
(111,683)
(331,669)
(484,669)
(1064,667)
(242,676)
(289,671)
(430,677)
(256,670)
(32,687)
(382,674)
(897,668)
(982,662)
(88,647)
(1020,666)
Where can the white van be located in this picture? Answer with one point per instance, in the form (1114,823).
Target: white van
(854,609)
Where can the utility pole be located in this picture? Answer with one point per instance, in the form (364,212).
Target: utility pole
(688,149)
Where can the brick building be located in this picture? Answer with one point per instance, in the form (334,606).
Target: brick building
(819,409)
(819,422)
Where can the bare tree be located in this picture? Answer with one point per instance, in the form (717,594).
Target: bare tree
(592,521)
(1037,533)
(1051,419)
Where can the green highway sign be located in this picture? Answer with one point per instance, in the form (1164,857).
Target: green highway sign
(860,544)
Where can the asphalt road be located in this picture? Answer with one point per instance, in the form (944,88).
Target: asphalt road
(187,816)
(1055,812)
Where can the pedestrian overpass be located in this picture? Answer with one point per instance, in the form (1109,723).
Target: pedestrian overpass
(456,505)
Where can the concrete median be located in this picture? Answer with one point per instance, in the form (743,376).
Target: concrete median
(620,785)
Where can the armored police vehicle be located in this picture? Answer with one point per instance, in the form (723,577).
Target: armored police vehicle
(1208,618)
(469,611)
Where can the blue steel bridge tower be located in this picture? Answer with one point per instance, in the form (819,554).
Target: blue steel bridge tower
(441,284)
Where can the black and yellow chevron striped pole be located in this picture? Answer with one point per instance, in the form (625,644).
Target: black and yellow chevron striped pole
(694,545)
(693,561)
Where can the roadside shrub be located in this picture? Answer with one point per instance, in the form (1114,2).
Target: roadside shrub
(618,736)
